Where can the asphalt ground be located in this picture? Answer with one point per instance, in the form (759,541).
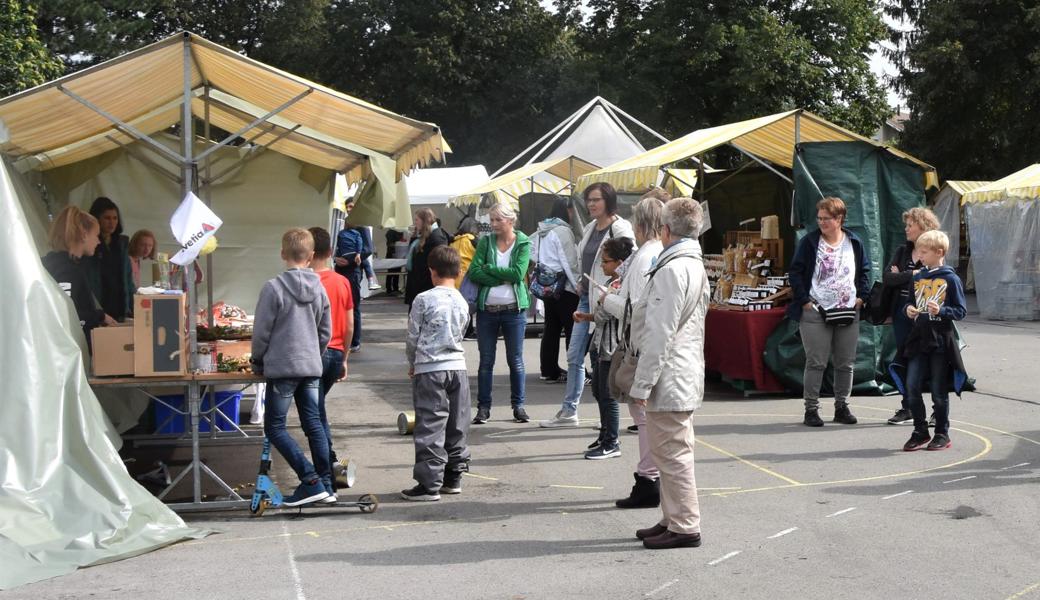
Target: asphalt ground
(788,511)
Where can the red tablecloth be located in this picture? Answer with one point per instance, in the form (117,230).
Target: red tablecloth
(734,343)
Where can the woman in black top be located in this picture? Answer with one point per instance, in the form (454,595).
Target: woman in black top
(73,235)
(111,276)
(428,235)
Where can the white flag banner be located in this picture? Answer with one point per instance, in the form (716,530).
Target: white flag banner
(192,224)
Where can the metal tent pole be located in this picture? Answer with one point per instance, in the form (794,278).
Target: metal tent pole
(207,197)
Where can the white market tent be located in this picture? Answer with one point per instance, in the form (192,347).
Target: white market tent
(69,501)
(436,186)
(1004,230)
(946,204)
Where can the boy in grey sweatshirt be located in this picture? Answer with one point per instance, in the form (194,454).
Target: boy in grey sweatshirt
(440,386)
(291,329)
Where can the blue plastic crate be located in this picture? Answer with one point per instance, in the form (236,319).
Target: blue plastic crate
(228,402)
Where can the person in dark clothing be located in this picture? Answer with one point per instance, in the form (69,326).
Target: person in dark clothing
(898,285)
(353,248)
(428,235)
(393,282)
(931,352)
(109,270)
(74,235)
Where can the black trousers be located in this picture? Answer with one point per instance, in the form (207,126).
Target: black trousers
(559,317)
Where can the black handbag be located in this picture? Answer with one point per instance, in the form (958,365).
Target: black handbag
(837,317)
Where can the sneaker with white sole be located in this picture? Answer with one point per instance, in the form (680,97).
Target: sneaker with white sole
(374,285)
(902,416)
(601,452)
(306,493)
(564,418)
(420,494)
(452,483)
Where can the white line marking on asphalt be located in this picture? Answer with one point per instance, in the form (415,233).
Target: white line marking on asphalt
(297,583)
(661,588)
(961,479)
(467,474)
(1014,466)
(723,557)
(898,495)
(577,487)
(841,512)
(782,533)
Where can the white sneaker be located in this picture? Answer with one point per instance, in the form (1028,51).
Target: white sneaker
(564,418)
(373,284)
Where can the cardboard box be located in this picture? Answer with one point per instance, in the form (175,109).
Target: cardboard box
(159,335)
(113,350)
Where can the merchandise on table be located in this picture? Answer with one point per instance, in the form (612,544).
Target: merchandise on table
(159,341)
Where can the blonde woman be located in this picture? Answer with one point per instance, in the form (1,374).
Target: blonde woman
(75,234)
(499,269)
(428,235)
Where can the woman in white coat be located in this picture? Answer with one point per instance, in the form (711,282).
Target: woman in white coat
(669,377)
(646,219)
(601,201)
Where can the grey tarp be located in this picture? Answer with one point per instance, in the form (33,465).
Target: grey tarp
(66,499)
(877,188)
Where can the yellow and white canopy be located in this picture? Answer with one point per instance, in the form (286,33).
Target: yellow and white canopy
(555,176)
(770,138)
(1021,185)
(145,89)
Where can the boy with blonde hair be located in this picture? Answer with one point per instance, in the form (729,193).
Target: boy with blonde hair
(291,330)
(931,350)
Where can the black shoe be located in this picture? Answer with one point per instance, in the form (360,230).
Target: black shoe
(602,452)
(596,444)
(918,440)
(650,532)
(902,416)
(520,415)
(633,428)
(941,441)
(483,414)
(844,416)
(452,483)
(931,420)
(812,418)
(670,539)
(420,494)
(646,493)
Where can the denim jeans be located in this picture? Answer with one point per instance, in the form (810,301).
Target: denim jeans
(280,395)
(331,370)
(609,417)
(512,325)
(901,326)
(354,276)
(933,367)
(576,359)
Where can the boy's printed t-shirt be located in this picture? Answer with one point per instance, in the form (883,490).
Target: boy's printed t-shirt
(943,286)
(436,325)
(341,302)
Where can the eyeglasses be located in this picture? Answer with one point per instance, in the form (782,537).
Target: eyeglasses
(825,219)
(593,199)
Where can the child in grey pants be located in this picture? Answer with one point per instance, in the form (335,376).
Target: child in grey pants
(440,386)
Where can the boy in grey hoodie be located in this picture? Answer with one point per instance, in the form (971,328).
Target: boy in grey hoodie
(291,329)
(440,386)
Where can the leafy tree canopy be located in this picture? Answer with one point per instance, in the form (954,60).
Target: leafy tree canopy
(24,60)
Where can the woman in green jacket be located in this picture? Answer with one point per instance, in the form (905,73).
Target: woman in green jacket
(499,268)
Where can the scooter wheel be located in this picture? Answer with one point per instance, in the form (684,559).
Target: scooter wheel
(261,507)
(368,503)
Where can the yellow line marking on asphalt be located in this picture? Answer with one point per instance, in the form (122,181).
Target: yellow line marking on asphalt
(577,487)
(748,463)
(969,423)
(719,488)
(1032,588)
(479,476)
(312,533)
(987,447)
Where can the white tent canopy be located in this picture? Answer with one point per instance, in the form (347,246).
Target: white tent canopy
(436,186)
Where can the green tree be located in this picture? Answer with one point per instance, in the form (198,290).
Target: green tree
(970,70)
(24,60)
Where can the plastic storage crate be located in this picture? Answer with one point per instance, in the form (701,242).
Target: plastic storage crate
(168,421)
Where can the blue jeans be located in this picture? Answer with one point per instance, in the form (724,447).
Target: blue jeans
(576,359)
(609,417)
(512,325)
(331,370)
(280,395)
(933,367)
(901,326)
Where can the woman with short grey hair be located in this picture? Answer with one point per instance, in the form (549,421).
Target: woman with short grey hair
(668,331)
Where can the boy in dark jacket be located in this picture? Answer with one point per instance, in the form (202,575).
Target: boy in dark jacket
(291,330)
(931,348)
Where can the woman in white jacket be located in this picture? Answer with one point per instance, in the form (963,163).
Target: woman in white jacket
(668,326)
(646,219)
(601,201)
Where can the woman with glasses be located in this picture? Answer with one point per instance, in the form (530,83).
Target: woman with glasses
(830,280)
(601,201)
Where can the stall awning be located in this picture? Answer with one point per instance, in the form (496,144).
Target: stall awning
(148,85)
(548,177)
(1024,184)
(770,138)
(963,187)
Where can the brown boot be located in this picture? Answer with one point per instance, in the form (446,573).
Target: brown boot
(651,531)
(670,539)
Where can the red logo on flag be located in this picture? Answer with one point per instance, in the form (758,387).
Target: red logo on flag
(206,228)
